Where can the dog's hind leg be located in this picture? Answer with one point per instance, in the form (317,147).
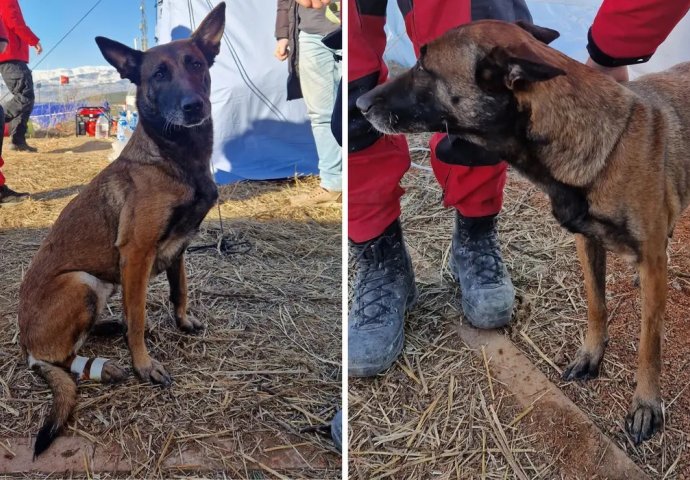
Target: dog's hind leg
(54,321)
(177,278)
(645,416)
(588,359)
(73,304)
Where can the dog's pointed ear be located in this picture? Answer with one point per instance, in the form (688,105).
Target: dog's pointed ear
(126,60)
(209,34)
(543,34)
(514,69)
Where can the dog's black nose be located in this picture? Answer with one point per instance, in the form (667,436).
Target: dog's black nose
(192,104)
(365,102)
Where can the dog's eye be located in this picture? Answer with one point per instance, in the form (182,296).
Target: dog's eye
(196,65)
(161,73)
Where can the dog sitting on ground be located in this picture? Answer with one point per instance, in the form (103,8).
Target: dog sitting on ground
(134,220)
(614,160)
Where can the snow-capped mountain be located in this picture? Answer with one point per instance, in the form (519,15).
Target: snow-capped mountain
(83,82)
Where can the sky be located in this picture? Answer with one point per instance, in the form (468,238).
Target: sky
(51,19)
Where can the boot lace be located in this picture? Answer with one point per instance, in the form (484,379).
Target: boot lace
(487,263)
(376,272)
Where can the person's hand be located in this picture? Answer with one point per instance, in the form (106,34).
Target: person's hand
(619,74)
(313,3)
(39,48)
(281,52)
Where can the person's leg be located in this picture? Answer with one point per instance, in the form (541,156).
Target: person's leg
(426,20)
(475,192)
(2,130)
(384,285)
(7,195)
(337,116)
(376,162)
(319,76)
(464,187)
(19,81)
(474,189)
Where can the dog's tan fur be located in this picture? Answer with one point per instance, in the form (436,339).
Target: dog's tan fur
(615,160)
(134,220)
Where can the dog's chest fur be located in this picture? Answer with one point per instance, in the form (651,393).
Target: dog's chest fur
(184,222)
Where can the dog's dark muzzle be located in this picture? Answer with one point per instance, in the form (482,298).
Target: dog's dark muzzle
(365,102)
(402,107)
(193,109)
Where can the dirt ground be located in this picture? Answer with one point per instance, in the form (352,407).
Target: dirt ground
(252,394)
(425,418)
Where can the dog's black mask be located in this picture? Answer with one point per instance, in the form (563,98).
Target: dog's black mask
(463,82)
(173,79)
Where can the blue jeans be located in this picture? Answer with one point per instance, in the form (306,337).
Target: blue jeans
(319,75)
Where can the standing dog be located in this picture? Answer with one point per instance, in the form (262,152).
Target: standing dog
(133,220)
(614,160)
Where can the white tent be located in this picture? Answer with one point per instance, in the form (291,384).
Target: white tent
(572,18)
(258,134)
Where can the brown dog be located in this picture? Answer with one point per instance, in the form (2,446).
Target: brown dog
(614,159)
(133,220)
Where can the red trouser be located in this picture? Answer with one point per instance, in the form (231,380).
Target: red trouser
(2,177)
(375,171)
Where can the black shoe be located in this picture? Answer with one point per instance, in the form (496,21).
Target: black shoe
(7,195)
(384,290)
(476,263)
(22,147)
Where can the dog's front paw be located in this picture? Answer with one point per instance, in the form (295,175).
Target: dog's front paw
(154,373)
(584,367)
(189,324)
(644,419)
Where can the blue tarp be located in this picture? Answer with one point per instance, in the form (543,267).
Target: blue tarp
(50,114)
(258,133)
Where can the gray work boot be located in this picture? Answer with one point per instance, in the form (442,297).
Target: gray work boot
(384,290)
(476,264)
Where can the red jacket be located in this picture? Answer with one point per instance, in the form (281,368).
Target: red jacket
(626,32)
(19,35)
(3,38)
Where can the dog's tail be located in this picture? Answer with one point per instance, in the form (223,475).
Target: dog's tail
(64,388)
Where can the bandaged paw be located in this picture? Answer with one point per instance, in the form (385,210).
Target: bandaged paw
(88,368)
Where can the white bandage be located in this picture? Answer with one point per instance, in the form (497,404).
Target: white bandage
(94,373)
(78,365)
(97,368)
